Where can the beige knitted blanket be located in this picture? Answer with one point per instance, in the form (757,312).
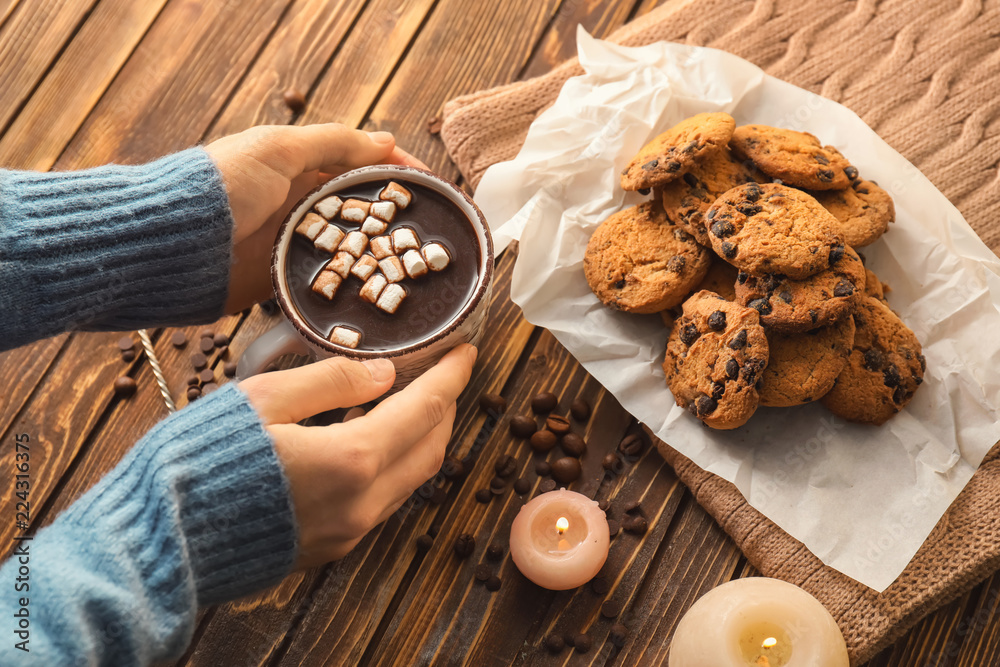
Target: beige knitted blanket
(925,74)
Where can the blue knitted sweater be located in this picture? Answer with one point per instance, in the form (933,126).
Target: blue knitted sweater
(199,512)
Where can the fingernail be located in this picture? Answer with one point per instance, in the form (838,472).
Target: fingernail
(382,370)
(473,353)
(381,137)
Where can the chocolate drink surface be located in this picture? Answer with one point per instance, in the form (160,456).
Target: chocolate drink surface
(432,300)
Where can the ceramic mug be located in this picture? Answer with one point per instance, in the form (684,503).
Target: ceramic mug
(293,335)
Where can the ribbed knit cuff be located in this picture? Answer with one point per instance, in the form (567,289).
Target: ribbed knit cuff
(204,499)
(113,248)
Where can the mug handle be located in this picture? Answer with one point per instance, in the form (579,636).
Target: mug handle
(282,339)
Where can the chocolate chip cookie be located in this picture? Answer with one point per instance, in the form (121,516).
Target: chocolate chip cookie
(687,199)
(875,287)
(721,279)
(639,262)
(715,355)
(863,210)
(796,158)
(803,367)
(671,154)
(793,306)
(772,228)
(884,369)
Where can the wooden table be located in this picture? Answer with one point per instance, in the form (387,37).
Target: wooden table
(86,82)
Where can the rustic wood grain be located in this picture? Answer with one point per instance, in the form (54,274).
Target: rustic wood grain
(21,370)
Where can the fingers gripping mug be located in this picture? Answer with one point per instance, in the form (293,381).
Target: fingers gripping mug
(382,262)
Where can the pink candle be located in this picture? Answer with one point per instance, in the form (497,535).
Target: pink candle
(560,540)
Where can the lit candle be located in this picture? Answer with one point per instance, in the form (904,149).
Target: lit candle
(560,540)
(758,622)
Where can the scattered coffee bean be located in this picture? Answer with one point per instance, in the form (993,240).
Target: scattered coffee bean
(424,542)
(505,466)
(206,375)
(603,505)
(636,525)
(558,425)
(618,634)
(206,345)
(580,409)
(126,343)
(610,609)
(582,643)
(600,585)
(438,496)
(193,393)
(484,495)
(543,469)
(544,403)
(125,386)
(483,572)
(192,380)
(554,644)
(566,470)
(453,469)
(208,388)
(128,356)
(179,339)
(632,507)
(632,445)
(573,445)
(522,426)
(229,369)
(206,333)
(610,461)
(493,584)
(613,527)
(543,441)
(464,545)
(547,485)
(497,486)
(199,361)
(568,638)
(522,486)
(221,340)
(493,404)
(294,100)
(495,551)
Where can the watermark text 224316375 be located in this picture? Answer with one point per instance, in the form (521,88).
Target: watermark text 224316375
(22,519)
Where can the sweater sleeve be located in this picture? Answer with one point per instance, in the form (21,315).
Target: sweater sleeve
(199,512)
(113,248)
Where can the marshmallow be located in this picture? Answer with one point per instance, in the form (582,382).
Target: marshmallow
(340,264)
(311,226)
(414,264)
(397,194)
(373,288)
(354,243)
(404,238)
(364,267)
(436,256)
(392,268)
(329,239)
(329,207)
(373,226)
(345,336)
(326,284)
(381,247)
(355,210)
(383,210)
(392,296)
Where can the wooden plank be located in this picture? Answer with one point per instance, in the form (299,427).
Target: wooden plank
(21,370)
(71,89)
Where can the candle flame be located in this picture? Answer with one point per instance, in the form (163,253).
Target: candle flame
(562,524)
(769,642)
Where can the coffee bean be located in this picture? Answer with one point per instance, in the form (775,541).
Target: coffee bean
(522,486)
(610,609)
(482,572)
(126,343)
(610,461)
(543,469)
(128,356)
(582,643)
(543,441)
(483,495)
(294,100)
(573,445)
(717,321)
(438,496)
(632,445)
(689,334)
(522,426)
(613,527)
(505,466)
(206,345)
(603,505)
(453,468)
(558,425)
(125,386)
(229,369)
(580,409)
(554,644)
(493,584)
(193,393)
(208,388)
(497,486)
(206,375)
(548,485)
(493,404)
(632,507)
(618,634)
(179,339)
(495,551)
(636,524)
(544,403)
(220,340)
(464,545)
(600,585)
(566,470)
(425,542)
(192,380)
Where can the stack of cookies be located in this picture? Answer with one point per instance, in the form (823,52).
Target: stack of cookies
(747,251)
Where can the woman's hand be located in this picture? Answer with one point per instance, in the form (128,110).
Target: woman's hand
(268,169)
(347,478)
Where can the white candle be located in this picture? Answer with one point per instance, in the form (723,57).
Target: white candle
(560,540)
(758,622)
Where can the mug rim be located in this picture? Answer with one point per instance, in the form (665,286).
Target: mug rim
(378,172)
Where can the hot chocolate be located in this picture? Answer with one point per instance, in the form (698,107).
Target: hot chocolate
(382,265)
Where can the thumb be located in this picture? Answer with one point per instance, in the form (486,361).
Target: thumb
(284,397)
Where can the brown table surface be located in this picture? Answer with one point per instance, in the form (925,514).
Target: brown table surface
(86,82)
